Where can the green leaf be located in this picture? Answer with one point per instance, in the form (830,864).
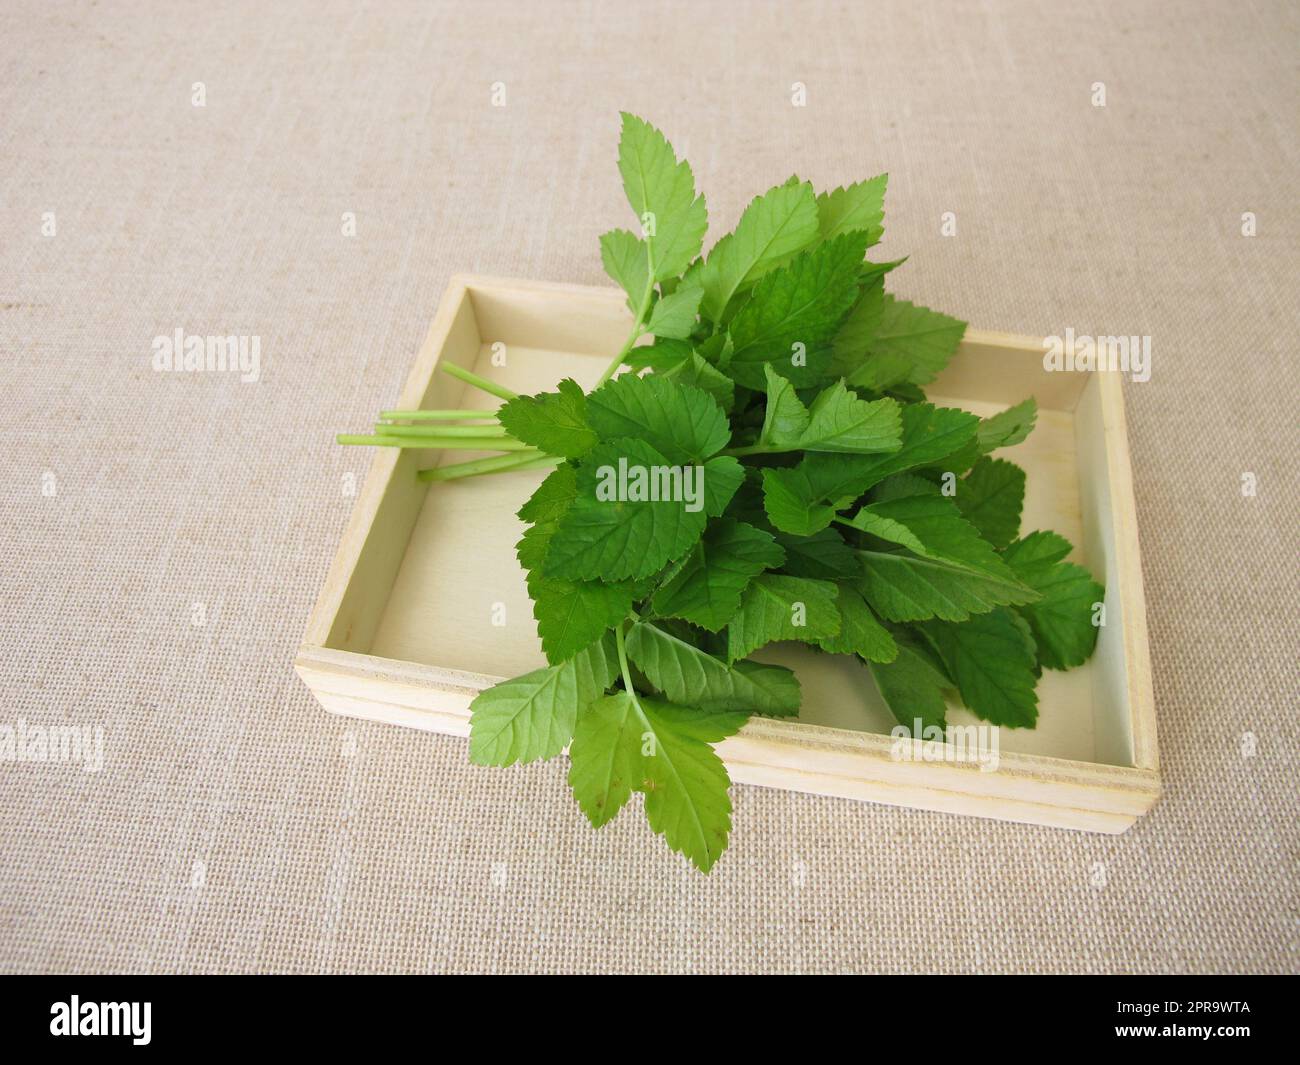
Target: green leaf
(932,527)
(544,509)
(928,338)
(706,589)
(773,228)
(571,614)
(674,316)
(623,255)
(852,341)
(607,538)
(684,781)
(686,674)
(901,587)
(1037,552)
(889,340)
(775,689)
(912,689)
(776,607)
(902,485)
(929,435)
(605,757)
(1002,429)
(860,632)
(553,421)
(532,716)
(723,475)
(794,312)
(679,421)
(823,555)
(534,544)
(629,742)
(803,499)
(856,207)
(991,666)
(1061,620)
(696,371)
(662,193)
(991,497)
(552,497)
(870,273)
(785,418)
(1009,427)
(714,350)
(792,501)
(840,421)
(665,354)
(1027,638)
(906,393)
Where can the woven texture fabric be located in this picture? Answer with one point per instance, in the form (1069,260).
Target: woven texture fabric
(165,535)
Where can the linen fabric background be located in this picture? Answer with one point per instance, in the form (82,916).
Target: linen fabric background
(235,826)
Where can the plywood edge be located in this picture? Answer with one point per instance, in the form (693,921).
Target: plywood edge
(863,768)
(379,477)
(489,283)
(385,713)
(910,793)
(426,361)
(374,670)
(767,750)
(819,739)
(991,338)
(913,792)
(1123,513)
(915,795)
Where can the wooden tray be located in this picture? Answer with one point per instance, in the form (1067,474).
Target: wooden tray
(403,629)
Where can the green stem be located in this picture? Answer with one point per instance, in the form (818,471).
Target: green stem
(481,383)
(495,464)
(638,328)
(480,432)
(622,662)
(435,415)
(455,443)
(754,449)
(628,686)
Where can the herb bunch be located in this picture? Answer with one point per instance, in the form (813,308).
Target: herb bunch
(837,507)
